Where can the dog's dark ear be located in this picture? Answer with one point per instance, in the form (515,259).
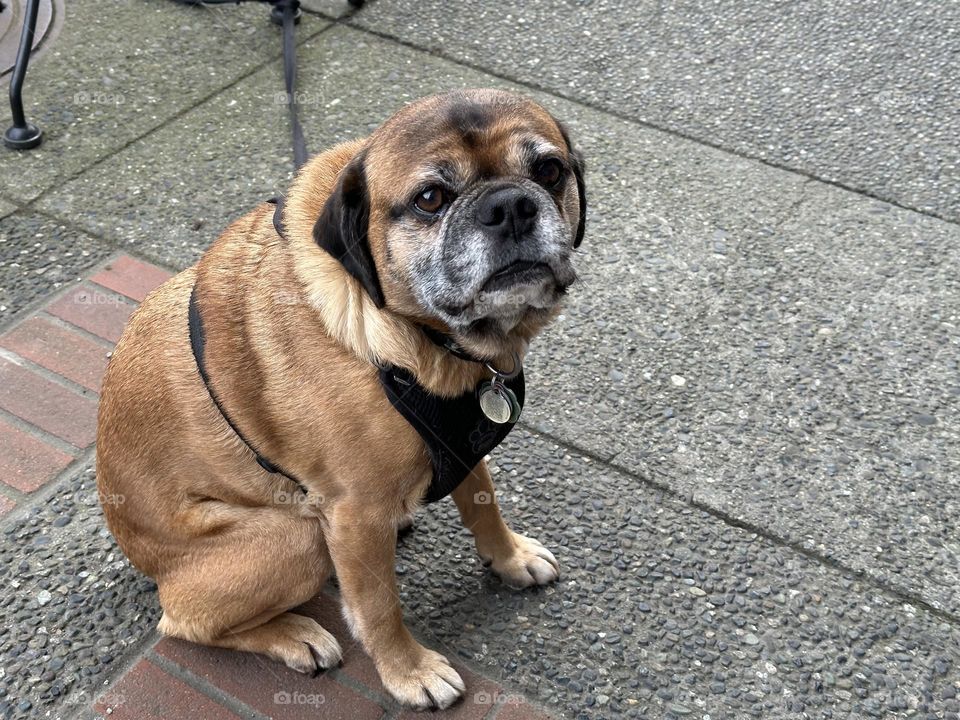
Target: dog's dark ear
(576,159)
(341,229)
(576,162)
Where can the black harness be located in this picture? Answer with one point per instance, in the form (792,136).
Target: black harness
(455,430)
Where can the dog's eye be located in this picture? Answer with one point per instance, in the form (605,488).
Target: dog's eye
(431,200)
(548,172)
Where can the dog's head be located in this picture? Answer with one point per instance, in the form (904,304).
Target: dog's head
(462,212)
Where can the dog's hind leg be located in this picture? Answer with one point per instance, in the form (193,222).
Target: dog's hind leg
(295,640)
(237,592)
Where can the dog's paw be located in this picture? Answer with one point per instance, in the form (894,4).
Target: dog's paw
(530,563)
(427,683)
(302,644)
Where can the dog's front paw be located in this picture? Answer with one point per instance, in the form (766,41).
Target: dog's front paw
(529,563)
(424,682)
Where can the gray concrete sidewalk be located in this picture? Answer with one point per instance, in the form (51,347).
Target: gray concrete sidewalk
(741,438)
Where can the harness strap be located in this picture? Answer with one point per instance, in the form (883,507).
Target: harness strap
(197,345)
(278,215)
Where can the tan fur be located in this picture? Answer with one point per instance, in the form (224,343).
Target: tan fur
(290,344)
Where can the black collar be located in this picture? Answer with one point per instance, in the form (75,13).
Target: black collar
(278,215)
(442,340)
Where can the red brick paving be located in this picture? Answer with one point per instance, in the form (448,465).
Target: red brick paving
(358,666)
(63,349)
(97,310)
(51,407)
(256,681)
(65,352)
(269,686)
(325,609)
(131,277)
(26,462)
(149,693)
(278,692)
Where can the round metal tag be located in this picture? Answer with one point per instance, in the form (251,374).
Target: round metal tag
(495,403)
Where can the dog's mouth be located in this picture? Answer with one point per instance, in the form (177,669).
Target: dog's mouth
(518,285)
(519,272)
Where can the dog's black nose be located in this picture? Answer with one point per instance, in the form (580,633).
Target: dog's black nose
(506,213)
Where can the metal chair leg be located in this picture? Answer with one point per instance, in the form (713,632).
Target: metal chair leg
(23,135)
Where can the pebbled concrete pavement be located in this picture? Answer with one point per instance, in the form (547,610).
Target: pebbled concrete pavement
(73,606)
(666,611)
(741,436)
(38,254)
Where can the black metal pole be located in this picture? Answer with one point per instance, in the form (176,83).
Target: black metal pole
(23,135)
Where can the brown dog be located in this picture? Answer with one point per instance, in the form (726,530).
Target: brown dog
(439,244)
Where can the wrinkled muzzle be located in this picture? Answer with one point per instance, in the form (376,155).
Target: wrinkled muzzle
(505,250)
